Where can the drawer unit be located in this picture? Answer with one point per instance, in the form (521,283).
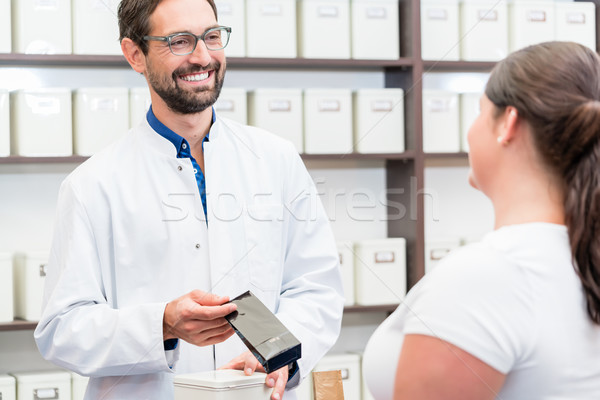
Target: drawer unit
(324,29)
(6,289)
(8,388)
(95,27)
(576,22)
(531,22)
(439,30)
(29,275)
(328,121)
(483,30)
(375,29)
(41,26)
(43,385)
(233,104)
(273,19)
(232,13)
(440,122)
(4,123)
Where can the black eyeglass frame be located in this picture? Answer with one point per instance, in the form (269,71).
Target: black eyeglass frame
(169,39)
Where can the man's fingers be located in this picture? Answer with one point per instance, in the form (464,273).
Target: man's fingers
(279,388)
(208,299)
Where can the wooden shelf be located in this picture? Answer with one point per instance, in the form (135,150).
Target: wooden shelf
(436,156)
(457,66)
(17,325)
(378,308)
(42,160)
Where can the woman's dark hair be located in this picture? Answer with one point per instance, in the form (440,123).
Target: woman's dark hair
(555,88)
(134,19)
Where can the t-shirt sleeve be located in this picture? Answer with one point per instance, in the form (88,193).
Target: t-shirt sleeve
(477,300)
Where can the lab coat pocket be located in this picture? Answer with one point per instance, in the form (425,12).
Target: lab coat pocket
(264,246)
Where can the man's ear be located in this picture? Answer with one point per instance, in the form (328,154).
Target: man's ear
(134,55)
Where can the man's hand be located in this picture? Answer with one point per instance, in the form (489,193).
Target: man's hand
(197,318)
(248,363)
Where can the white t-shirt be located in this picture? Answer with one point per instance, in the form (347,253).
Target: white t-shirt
(515,302)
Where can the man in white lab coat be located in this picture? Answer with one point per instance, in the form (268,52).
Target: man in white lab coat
(186,208)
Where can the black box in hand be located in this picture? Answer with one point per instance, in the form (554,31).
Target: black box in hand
(264,335)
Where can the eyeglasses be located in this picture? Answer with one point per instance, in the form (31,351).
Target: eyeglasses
(182,44)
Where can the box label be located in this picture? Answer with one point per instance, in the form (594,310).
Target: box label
(43,105)
(271,10)
(45,5)
(382,106)
(328,11)
(438,105)
(575,18)
(225,105)
(106,104)
(224,8)
(280,105)
(384,257)
(376,13)
(487,15)
(437,14)
(536,16)
(329,106)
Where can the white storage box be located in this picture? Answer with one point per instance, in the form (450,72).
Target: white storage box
(139,104)
(346,253)
(324,28)
(43,385)
(349,365)
(375,29)
(531,22)
(232,13)
(6,289)
(436,249)
(440,122)
(101,116)
(41,26)
(327,121)
(41,123)
(29,275)
(469,110)
(95,27)
(8,388)
(576,22)
(439,30)
(380,267)
(278,111)
(221,385)
(5,27)
(483,30)
(379,121)
(4,123)
(233,104)
(273,19)
(78,386)
(305,389)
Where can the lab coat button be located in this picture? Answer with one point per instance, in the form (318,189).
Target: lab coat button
(197,245)
(179,167)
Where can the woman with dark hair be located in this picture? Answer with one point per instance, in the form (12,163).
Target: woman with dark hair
(516,316)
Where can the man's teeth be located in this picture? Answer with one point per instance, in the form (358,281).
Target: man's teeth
(195,78)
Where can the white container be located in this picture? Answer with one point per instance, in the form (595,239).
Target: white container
(41,122)
(8,388)
(78,386)
(41,26)
(531,22)
(483,30)
(436,249)
(375,29)
(328,121)
(139,104)
(469,111)
(379,121)
(305,389)
(232,13)
(278,111)
(221,385)
(5,27)
(6,289)
(440,122)
(4,123)
(100,117)
(273,19)
(43,385)
(346,254)
(576,22)
(324,29)
(233,104)
(95,27)
(29,275)
(380,267)
(349,365)
(439,30)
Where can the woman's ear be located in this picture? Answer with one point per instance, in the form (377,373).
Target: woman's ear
(134,55)
(510,125)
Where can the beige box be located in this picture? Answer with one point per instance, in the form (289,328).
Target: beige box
(78,386)
(43,385)
(29,276)
(379,121)
(4,123)
(436,249)
(349,365)
(100,117)
(531,22)
(440,122)
(221,385)
(278,111)
(328,121)
(346,254)
(41,26)
(483,30)
(233,104)
(95,27)
(275,19)
(139,104)
(41,123)
(324,29)
(6,289)
(5,27)
(232,13)
(8,388)
(576,22)
(375,29)
(440,30)
(380,267)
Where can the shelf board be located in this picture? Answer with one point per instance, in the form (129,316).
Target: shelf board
(457,66)
(17,325)
(440,156)
(42,160)
(378,308)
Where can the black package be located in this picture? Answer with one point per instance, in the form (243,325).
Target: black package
(264,335)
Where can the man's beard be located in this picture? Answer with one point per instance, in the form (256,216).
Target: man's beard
(184,101)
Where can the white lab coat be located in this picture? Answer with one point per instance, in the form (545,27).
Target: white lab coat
(130,236)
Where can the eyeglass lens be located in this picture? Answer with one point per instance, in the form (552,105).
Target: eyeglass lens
(186,43)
